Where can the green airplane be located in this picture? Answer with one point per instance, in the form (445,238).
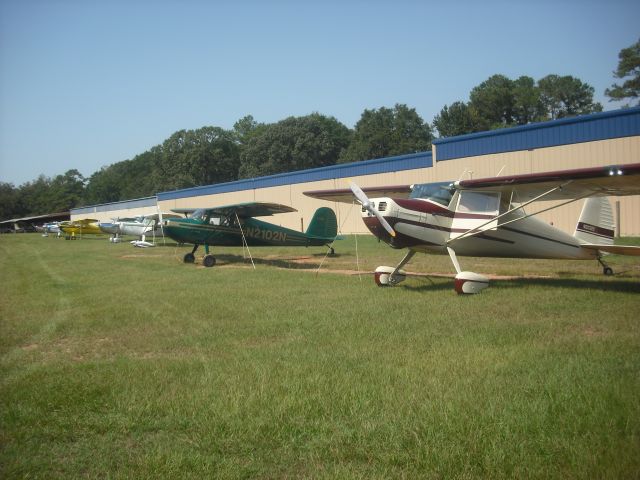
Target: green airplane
(234,225)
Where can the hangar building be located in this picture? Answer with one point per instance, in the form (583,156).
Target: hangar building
(609,138)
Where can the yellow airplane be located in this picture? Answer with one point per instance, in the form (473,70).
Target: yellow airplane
(86,226)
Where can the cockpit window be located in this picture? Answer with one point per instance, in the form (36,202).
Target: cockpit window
(439,192)
(199,214)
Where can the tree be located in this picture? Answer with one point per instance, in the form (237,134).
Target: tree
(295,143)
(386,132)
(244,128)
(64,192)
(628,66)
(527,101)
(566,97)
(197,157)
(457,119)
(494,101)
(9,201)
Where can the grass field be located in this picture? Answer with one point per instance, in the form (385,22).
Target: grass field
(125,363)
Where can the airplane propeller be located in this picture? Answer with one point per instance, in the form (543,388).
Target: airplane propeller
(368,206)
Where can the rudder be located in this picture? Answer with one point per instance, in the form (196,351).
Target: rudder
(323,224)
(595,225)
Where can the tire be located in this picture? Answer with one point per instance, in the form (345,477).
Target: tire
(189,258)
(209,261)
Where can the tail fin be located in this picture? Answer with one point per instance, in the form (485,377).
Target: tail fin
(595,225)
(323,224)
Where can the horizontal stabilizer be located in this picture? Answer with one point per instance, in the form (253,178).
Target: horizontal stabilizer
(615,249)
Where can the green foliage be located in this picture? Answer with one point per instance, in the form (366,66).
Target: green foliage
(387,132)
(628,66)
(493,99)
(10,206)
(458,118)
(197,157)
(500,102)
(295,143)
(566,97)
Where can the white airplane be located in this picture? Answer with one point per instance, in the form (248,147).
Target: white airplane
(140,227)
(113,228)
(50,227)
(486,218)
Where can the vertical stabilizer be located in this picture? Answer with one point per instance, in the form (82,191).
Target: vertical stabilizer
(323,224)
(595,225)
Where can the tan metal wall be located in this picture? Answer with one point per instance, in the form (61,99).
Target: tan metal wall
(581,155)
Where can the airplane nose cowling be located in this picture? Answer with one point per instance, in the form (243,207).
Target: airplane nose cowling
(375,227)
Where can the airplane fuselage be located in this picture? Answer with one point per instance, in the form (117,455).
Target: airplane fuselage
(76,229)
(426,226)
(256,233)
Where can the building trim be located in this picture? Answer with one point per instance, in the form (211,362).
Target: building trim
(344,170)
(566,131)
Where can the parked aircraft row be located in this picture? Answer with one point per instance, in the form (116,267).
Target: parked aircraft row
(485,217)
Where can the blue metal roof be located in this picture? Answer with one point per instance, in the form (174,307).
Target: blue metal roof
(586,128)
(344,170)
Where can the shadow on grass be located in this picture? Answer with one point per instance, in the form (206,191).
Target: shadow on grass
(307,262)
(430,284)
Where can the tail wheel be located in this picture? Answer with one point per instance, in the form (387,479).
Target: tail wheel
(209,261)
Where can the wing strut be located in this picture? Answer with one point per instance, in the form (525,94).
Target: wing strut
(454,259)
(244,241)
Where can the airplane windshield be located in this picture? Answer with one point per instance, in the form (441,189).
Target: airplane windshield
(199,214)
(439,192)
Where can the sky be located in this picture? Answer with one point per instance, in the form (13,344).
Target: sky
(88,83)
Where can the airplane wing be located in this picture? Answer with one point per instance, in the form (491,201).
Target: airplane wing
(615,180)
(244,210)
(345,195)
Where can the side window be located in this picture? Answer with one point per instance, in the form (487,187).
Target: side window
(214,221)
(478,202)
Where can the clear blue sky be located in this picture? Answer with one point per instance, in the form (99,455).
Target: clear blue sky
(88,83)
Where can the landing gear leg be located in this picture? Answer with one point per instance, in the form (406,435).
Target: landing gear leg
(190,257)
(606,269)
(390,276)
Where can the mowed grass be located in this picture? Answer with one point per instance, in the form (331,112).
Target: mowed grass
(119,362)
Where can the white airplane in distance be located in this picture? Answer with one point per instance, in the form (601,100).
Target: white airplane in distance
(140,227)
(486,218)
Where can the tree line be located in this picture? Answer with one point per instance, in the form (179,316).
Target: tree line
(210,155)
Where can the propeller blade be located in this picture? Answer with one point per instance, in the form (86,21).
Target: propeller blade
(364,200)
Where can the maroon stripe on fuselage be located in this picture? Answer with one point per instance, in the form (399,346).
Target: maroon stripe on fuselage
(435,209)
(595,230)
(374,227)
(423,206)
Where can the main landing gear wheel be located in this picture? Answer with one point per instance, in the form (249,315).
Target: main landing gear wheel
(606,269)
(209,261)
(189,258)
